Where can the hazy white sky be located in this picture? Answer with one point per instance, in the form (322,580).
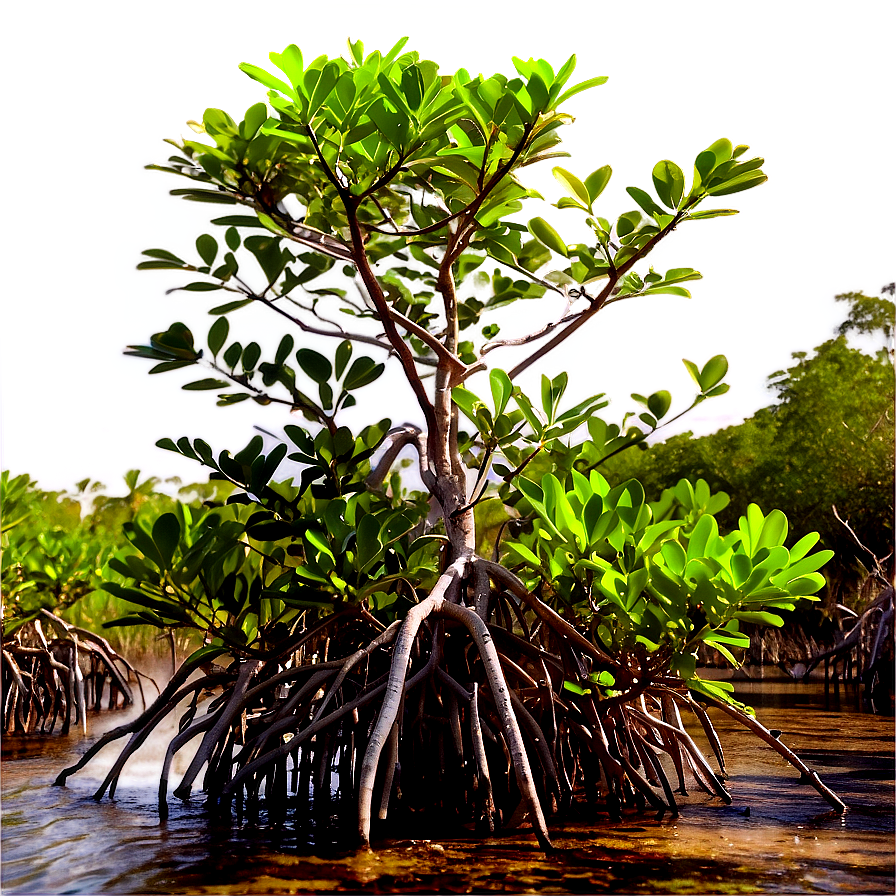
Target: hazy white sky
(92,89)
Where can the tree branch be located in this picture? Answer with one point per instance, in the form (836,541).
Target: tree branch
(385,313)
(503,576)
(398,439)
(599,301)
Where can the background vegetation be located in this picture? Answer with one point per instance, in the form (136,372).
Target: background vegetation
(827,441)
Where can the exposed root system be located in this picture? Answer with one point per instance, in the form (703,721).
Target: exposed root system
(56,677)
(448,717)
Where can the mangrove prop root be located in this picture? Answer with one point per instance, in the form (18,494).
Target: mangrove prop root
(293,744)
(395,687)
(710,731)
(248,668)
(176,743)
(60,675)
(138,737)
(490,735)
(482,772)
(391,763)
(757,728)
(386,637)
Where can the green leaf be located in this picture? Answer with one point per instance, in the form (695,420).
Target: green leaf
(163,254)
(575,187)
(802,567)
(585,85)
(759,617)
(250,356)
(202,385)
(318,541)
(196,286)
(597,181)
(524,553)
(733,639)
(270,224)
(626,224)
(724,651)
(254,118)
(269,80)
(712,213)
(290,63)
(227,307)
(722,150)
(538,91)
(362,372)
(343,355)
(238,221)
(738,184)
(645,201)
(659,403)
(314,365)
(284,348)
(466,401)
(322,89)
(668,180)
(713,372)
(207,247)
(217,335)
(502,389)
(166,535)
(544,233)
(368,539)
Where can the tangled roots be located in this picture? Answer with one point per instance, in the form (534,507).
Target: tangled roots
(56,679)
(444,718)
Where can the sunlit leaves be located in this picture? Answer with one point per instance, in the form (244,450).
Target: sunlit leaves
(573,185)
(545,234)
(677,582)
(668,180)
(710,376)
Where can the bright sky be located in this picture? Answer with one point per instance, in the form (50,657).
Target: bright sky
(94,87)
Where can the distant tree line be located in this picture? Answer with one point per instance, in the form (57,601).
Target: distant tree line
(827,442)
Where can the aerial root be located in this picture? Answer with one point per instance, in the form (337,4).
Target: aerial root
(437,604)
(44,677)
(482,773)
(247,670)
(757,728)
(708,728)
(176,743)
(391,763)
(139,734)
(496,728)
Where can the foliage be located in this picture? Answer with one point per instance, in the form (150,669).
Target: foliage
(50,562)
(358,617)
(56,550)
(56,545)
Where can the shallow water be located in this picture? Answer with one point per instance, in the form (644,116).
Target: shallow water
(57,840)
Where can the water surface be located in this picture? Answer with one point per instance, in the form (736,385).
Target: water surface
(778,836)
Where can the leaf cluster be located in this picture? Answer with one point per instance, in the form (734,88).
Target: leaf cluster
(659,577)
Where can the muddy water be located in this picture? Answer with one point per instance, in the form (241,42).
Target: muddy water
(57,840)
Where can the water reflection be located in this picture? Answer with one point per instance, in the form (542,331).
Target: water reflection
(776,837)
